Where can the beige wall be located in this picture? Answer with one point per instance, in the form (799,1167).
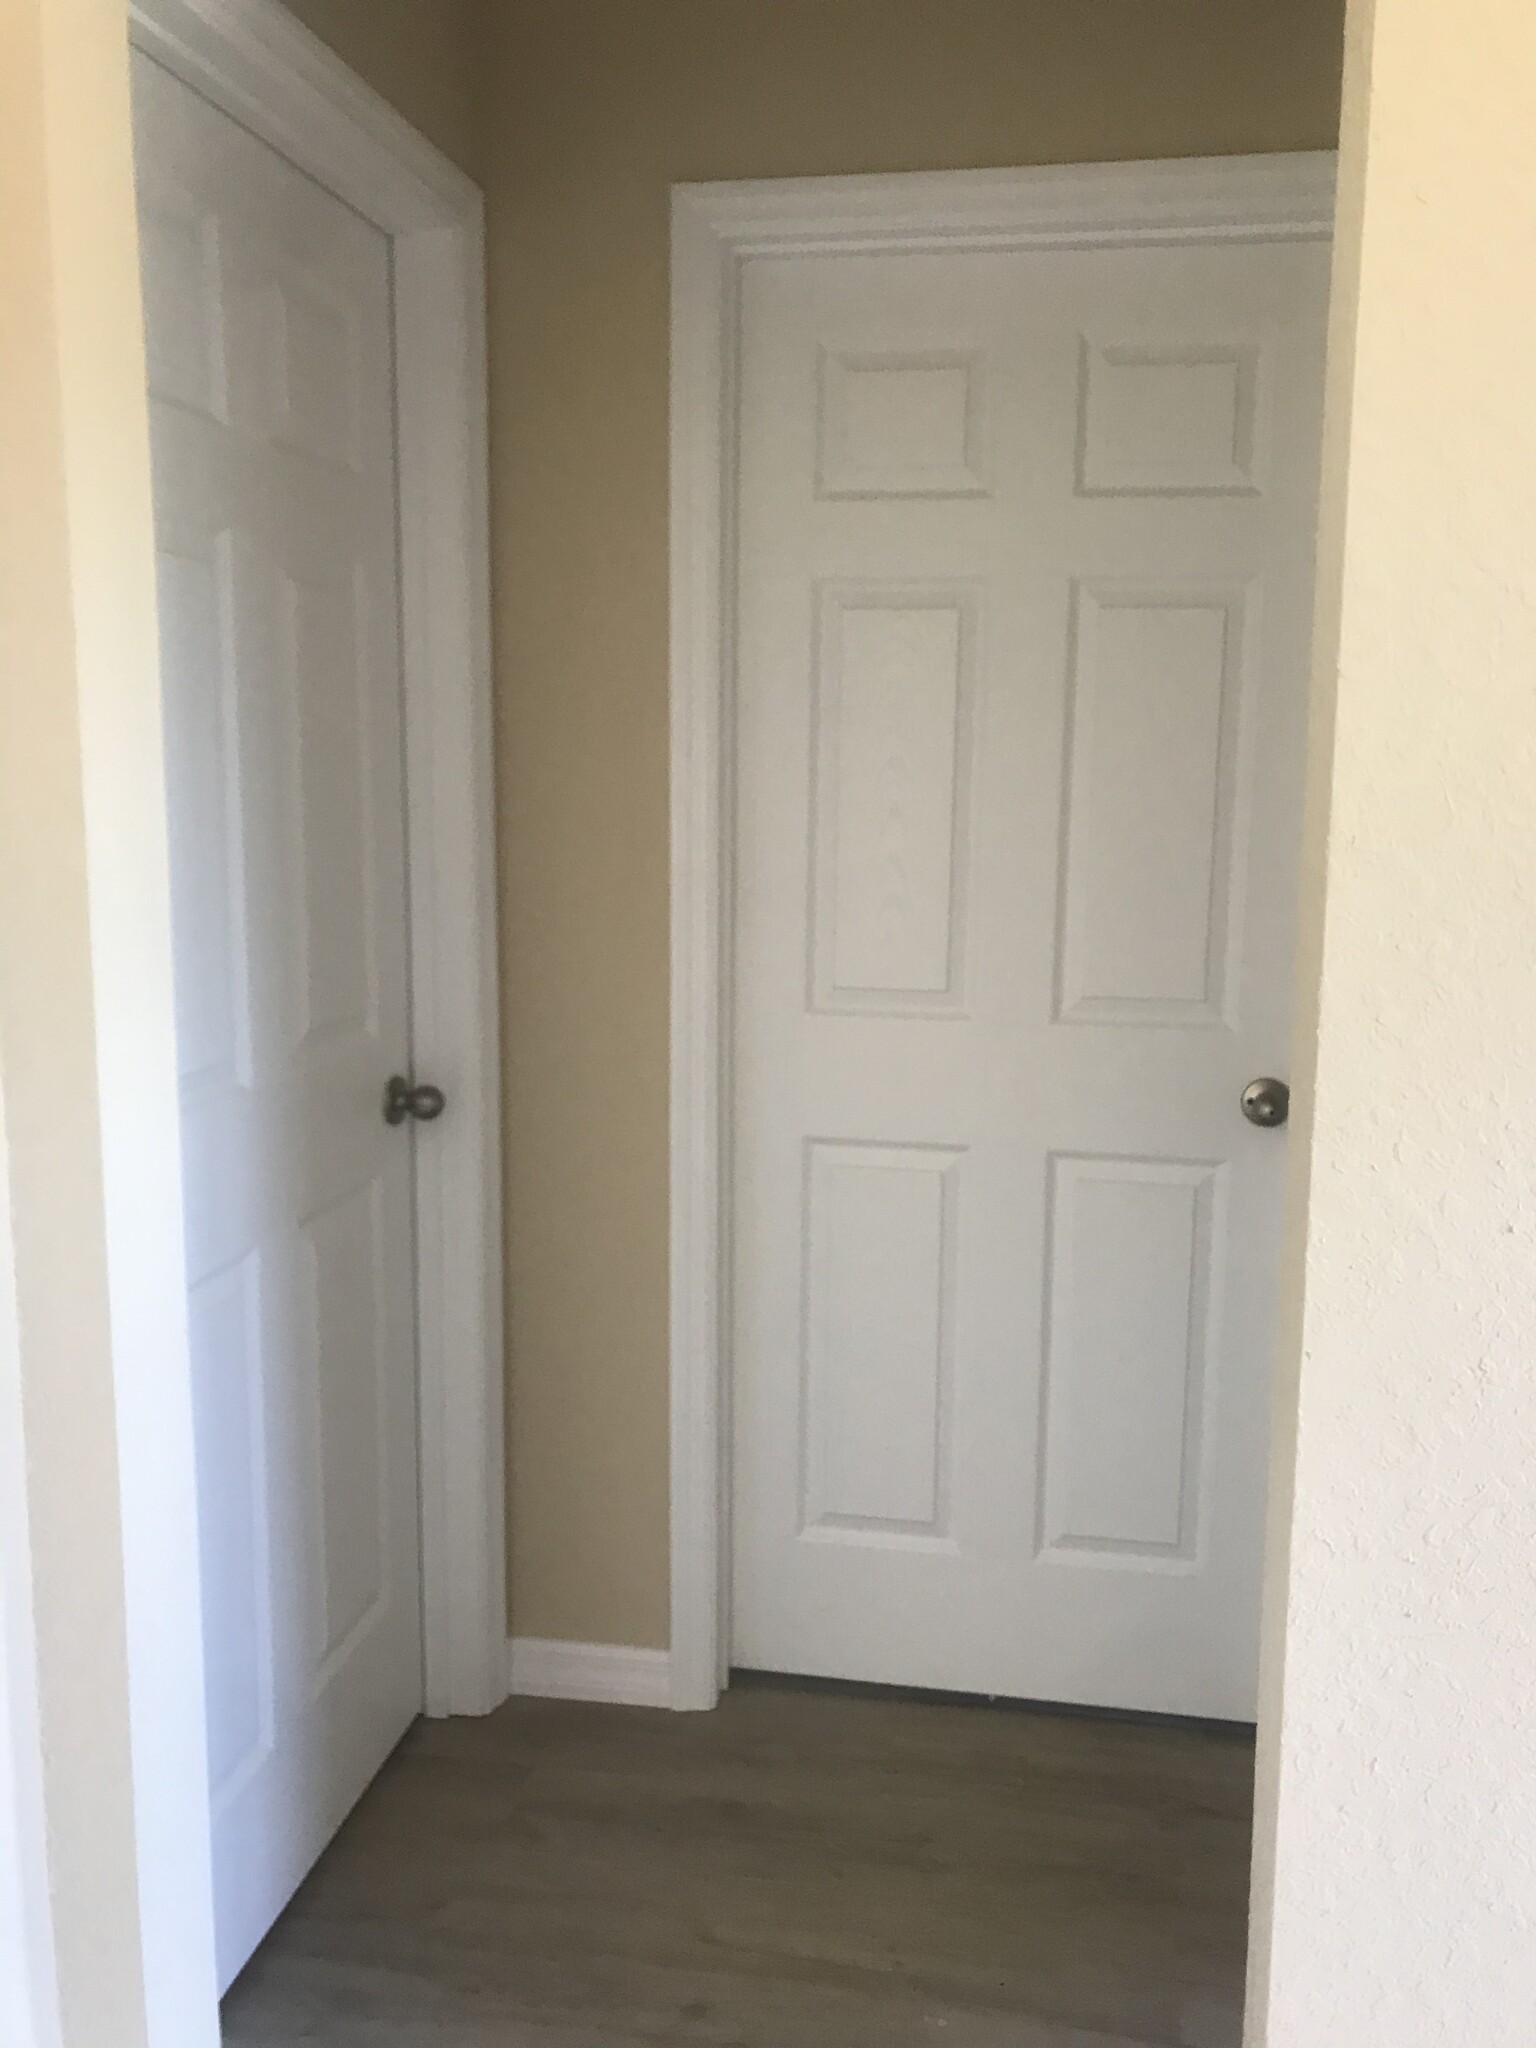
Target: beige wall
(578,115)
(595,107)
(421,55)
(1398,1800)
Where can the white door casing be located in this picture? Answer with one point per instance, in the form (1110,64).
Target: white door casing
(1010,760)
(401,276)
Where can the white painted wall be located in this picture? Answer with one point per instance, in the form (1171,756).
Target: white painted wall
(29,2010)
(102,1774)
(1396,1866)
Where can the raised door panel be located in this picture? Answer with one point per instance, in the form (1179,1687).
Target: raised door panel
(320,368)
(892,739)
(345,1250)
(182,270)
(880,1224)
(1128,1332)
(901,424)
(324,640)
(1168,419)
(1154,817)
(197,597)
(227,1343)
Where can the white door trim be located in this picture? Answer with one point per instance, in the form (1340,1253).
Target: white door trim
(251,58)
(716,229)
(542,1669)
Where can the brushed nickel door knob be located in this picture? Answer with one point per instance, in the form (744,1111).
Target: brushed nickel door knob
(1266,1102)
(419,1099)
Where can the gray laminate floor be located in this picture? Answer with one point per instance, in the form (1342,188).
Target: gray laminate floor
(799,1869)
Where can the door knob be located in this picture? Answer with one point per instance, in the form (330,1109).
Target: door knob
(419,1099)
(1266,1102)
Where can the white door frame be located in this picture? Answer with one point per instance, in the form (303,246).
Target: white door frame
(252,58)
(716,230)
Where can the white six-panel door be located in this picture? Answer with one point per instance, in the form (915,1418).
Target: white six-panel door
(1024,575)
(269,328)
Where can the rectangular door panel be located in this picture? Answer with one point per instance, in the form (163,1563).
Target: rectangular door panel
(227,1341)
(1155,702)
(181,273)
(1127,1334)
(324,666)
(1166,418)
(197,659)
(901,425)
(880,1224)
(892,738)
(342,1262)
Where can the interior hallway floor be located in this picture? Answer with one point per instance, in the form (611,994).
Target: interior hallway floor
(800,1869)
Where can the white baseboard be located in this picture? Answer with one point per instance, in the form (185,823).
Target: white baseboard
(549,1670)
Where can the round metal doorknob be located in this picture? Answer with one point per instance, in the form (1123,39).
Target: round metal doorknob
(1266,1102)
(419,1099)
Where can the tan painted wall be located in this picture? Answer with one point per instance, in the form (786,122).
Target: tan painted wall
(1397,1807)
(421,55)
(595,107)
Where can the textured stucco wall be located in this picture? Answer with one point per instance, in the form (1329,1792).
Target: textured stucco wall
(1398,1783)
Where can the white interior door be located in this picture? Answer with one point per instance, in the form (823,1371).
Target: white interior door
(269,324)
(1025,572)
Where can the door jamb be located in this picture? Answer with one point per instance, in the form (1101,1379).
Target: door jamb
(251,58)
(717,230)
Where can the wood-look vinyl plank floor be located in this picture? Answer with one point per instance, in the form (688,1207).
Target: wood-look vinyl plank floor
(799,1869)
